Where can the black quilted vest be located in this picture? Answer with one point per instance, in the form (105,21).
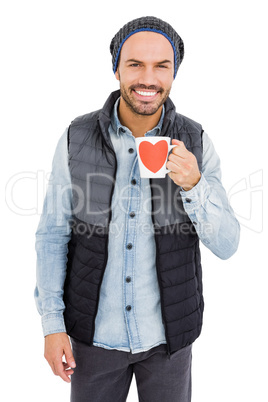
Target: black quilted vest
(92,163)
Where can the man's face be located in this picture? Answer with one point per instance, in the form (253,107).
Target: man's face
(145,72)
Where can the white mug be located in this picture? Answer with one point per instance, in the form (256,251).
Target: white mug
(152,156)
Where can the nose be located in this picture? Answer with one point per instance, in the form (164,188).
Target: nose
(147,77)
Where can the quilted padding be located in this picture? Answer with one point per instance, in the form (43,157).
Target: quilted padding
(93,165)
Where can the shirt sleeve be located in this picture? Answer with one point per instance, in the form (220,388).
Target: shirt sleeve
(208,208)
(52,237)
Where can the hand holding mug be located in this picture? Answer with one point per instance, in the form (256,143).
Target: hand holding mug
(183,166)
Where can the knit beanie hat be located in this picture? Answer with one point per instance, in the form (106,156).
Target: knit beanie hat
(152,24)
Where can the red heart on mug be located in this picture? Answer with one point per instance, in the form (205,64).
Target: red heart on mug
(153,156)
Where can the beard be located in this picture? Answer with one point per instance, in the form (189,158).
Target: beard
(140,107)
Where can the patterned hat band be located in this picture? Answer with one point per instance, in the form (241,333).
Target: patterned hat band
(151,24)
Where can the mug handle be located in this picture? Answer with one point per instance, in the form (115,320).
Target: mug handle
(170,147)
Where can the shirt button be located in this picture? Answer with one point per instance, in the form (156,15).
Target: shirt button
(128,279)
(132,214)
(128,308)
(188,200)
(133,182)
(129,246)
(131,150)
(195,223)
(123,130)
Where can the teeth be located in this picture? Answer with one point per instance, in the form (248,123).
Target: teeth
(146,93)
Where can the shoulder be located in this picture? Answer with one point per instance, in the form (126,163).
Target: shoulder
(82,127)
(182,123)
(188,124)
(86,118)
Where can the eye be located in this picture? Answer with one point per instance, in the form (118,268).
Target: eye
(134,65)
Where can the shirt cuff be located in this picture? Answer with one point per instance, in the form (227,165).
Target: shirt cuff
(53,323)
(195,197)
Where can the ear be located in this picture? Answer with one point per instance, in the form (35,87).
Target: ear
(117,76)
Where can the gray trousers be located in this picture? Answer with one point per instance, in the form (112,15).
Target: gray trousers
(103,375)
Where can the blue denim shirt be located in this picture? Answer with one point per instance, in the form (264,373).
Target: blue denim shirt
(129,312)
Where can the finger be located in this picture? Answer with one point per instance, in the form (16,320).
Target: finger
(177,142)
(174,167)
(61,372)
(53,368)
(67,368)
(69,356)
(69,372)
(180,148)
(175,159)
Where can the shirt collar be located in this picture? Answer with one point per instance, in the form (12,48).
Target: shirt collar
(118,128)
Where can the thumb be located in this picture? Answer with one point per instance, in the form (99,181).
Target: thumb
(69,356)
(177,142)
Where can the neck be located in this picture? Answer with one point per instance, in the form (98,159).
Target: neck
(138,124)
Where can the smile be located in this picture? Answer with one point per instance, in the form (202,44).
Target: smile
(142,93)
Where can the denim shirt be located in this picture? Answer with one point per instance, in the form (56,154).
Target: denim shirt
(129,311)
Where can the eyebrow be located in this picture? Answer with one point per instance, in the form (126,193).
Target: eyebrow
(164,61)
(138,61)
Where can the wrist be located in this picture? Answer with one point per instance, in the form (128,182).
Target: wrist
(190,186)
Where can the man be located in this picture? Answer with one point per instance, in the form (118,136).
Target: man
(118,260)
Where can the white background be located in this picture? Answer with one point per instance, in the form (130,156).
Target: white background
(56,65)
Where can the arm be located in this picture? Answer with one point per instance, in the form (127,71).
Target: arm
(204,198)
(52,237)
